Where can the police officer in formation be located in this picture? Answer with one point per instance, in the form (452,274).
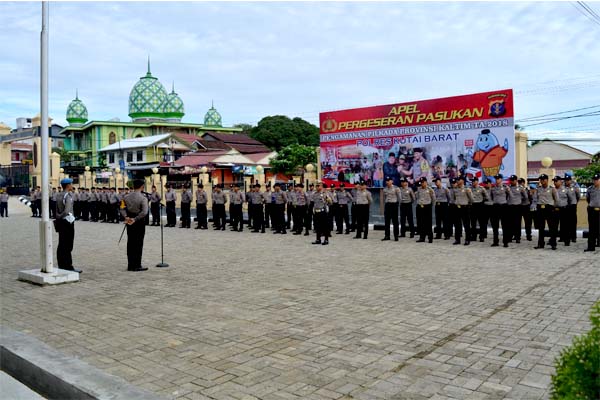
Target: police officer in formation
(442,198)
(546,199)
(320,201)
(134,211)
(185,205)
(592,197)
(170,199)
(407,198)
(301,201)
(499,213)
(201,210)
(279,199)
(462,199)
(478,210)
(155,206)
(219,200)
(391,199)
(425,199)
(363,200)
(344,199)
(236,202)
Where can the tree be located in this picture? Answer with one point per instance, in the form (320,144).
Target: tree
(246,128)
(293,157)
(279,131)
(534,142)
(585,174)
(65,157)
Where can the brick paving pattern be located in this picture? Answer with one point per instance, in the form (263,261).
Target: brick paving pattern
(262,316)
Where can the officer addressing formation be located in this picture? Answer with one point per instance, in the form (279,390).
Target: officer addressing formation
(459,210)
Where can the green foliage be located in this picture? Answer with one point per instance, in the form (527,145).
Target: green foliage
(293,157)
(279,131)
(65,157)
(246,128)
(578,367)
(586,173)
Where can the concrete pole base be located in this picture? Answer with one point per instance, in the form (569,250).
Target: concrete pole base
(56,277)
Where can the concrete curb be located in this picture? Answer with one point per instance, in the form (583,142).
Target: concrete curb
(56,376)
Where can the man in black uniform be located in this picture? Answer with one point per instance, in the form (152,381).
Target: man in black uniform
(65,227)
(134,213)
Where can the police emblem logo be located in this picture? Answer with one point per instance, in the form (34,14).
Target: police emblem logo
(497,108)
(329,125)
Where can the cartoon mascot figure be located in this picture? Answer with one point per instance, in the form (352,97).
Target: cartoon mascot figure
(489,154)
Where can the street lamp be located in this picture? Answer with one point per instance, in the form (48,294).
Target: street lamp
(260,169)
(162,263)
(309,168)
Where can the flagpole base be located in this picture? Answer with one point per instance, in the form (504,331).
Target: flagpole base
(56,277)
(162,265)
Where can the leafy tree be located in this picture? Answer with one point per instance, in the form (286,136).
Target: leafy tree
(246,128)
(586,173)
(65,157)
(279,131)
(292,158)
(578,367)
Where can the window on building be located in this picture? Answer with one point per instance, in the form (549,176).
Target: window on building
(112,138)
(111,158)
(140,155)
(129,156)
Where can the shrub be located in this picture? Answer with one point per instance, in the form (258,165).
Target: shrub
(578,366)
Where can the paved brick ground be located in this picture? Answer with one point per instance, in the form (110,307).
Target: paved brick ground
(251,316)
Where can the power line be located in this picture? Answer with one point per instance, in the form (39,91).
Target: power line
(583,10)
(556,113)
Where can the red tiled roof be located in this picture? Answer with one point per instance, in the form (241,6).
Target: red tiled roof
(213,144)
(249,148)
(200,158)
(187,138)
(230,138)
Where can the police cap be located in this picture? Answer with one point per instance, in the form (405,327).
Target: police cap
(513,177)
(66,181)
(342,185)
(499,176)
(138,183)
(557,178)
(567,177)
(596,177)
(452,180)
(277,185)
(332,185)
(543,176)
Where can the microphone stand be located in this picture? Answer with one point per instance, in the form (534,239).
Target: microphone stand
(162,263)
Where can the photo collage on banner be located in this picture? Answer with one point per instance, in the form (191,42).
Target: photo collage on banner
(470,135)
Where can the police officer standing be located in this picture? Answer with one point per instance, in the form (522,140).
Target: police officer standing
(406,209)
(572,208)
(279,200)
(309,211)
(463,198)
(301,200)
(344,198)
(171,198)
(236,215)
(134,212)
(201,211)
(363,201)
(155,206)
(477,210)
(333,208)
(113,211)
(268,201)
(65,226)
(256,202)
(442,196)
(546,201)
(498,214)
(391,198)
(526,209)
(218,208)
(320,200)
(564,199)
(425,199)
(186,203)
(52,201)
(593,209)
(516,196)
(290,194)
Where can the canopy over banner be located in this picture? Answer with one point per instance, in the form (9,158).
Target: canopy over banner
(469,135)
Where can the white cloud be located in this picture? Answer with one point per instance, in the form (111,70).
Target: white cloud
(258,59)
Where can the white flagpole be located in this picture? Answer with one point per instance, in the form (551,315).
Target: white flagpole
(45,225)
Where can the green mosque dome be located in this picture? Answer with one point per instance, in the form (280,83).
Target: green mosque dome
(147,98)
(173,108)
(77,113)
(212,118)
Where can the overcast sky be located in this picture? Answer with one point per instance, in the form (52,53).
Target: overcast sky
(298,59)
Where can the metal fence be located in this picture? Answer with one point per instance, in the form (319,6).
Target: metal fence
(15,178)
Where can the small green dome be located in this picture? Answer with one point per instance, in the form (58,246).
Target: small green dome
(147,98)
(77,113)
(212,118)
(173,108)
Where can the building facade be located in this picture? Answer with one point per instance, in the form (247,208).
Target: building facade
(153,111)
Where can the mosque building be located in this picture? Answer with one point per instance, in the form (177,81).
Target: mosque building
(153,112)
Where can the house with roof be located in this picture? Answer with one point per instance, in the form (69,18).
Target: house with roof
(144,152)
(565,158)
